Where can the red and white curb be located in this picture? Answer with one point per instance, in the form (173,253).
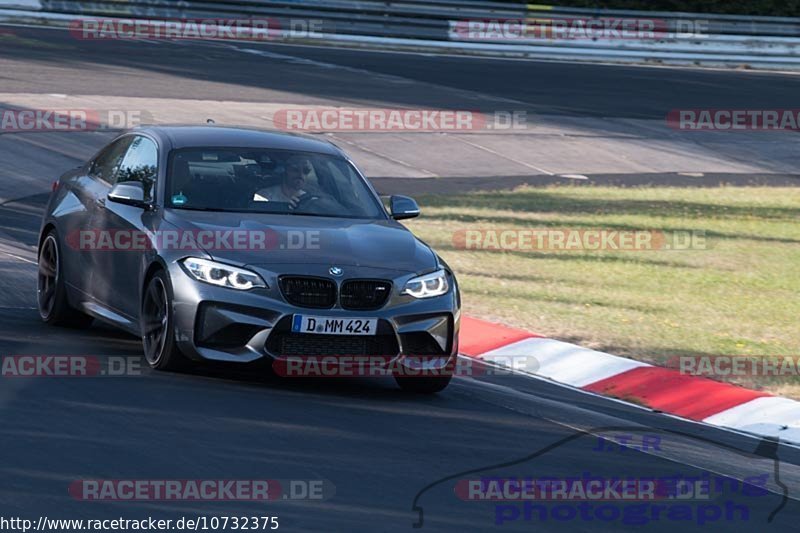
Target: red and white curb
(662,389)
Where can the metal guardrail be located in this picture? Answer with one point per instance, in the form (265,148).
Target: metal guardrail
(437,25)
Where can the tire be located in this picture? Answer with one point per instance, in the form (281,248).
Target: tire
(158,333)
(51,291)
(423,385)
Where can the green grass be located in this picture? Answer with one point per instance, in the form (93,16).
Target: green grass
(739,296)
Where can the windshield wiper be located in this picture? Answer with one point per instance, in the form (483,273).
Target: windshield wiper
(295,213)
(254,211)
(208,209)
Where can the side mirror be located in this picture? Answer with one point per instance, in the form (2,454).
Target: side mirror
(403,207)
(128,193)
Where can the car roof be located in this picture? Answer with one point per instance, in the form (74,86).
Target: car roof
(177,137)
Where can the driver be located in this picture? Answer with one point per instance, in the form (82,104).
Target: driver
(290,190)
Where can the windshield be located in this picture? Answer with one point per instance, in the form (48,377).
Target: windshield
(268,181)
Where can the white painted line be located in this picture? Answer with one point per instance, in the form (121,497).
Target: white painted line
(475,95)
(575,366)
(522,372)
(19,258)
(498,154)
(770,416)
(788,437)
(386,157)
(26,138)
(561,361)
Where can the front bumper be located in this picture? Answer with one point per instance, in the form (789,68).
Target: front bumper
(219,324)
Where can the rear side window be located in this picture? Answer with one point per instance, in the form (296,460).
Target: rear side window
(140,164)
(105,165)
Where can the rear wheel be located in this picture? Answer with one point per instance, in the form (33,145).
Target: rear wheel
(423,385)
(158,335)
(51,291)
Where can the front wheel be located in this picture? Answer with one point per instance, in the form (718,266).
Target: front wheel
(51,293)
(158,335)
(423,385)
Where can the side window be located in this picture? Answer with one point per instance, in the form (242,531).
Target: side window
(105,165)
(140,164)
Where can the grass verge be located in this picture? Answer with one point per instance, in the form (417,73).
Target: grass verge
(739,295)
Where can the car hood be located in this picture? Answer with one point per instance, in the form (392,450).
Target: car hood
(291,239)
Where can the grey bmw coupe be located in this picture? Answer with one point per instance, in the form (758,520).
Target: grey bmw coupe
(237,245)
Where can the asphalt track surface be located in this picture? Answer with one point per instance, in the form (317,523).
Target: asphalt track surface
(392,458)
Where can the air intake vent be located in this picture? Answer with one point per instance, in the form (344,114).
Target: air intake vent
(317,293)
(285,344)
(364,294)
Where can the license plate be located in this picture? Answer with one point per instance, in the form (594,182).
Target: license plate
(324,325)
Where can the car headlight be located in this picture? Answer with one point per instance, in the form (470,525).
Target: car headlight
(428,286)
(222,275)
